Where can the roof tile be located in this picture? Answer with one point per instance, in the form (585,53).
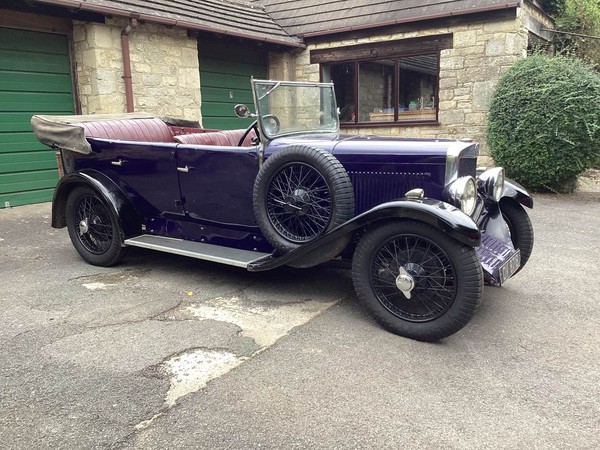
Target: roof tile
(232,17)
(305,17)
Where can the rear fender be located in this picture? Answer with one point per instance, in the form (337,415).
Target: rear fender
(440,215)
(128,218)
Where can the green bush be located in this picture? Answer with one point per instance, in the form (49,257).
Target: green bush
(544,125)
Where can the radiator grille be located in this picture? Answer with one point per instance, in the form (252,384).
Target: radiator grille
(467,167)
(373,188)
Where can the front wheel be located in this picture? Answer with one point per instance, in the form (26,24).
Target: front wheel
(93,230)
(416,281)
(521,230)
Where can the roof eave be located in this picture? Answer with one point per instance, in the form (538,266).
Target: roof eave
(507,5)
(107,10)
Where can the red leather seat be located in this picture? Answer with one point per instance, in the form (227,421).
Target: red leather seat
(142,130)
(235,136)
(226,138)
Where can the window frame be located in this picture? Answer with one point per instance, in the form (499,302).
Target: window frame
(390,50)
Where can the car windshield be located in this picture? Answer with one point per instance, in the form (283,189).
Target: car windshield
(286,107)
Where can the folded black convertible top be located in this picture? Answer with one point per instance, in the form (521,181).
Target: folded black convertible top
(64,131)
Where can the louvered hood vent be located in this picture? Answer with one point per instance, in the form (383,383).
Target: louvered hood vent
(373,188)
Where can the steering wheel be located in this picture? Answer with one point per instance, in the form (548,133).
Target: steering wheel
(253,126)
(273,128)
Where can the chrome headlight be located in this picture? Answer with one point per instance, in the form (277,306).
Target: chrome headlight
(491,183)
(462,193)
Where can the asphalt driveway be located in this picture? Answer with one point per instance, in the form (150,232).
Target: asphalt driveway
(169,352)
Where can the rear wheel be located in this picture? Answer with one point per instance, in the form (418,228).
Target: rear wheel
(416,281)
(93,230)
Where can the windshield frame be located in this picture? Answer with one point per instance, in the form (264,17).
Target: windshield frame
(267,130)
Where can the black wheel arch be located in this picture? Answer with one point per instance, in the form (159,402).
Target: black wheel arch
(442,216)
(119,205)
(516,192)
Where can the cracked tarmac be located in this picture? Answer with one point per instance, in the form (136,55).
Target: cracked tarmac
(167,352)
(112,349)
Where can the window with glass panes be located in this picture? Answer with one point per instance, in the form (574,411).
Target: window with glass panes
(387,83)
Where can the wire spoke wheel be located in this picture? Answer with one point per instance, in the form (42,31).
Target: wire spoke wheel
(95,227)
(93,230)
(429,266)
(300,194)
(415,280)
(298,202)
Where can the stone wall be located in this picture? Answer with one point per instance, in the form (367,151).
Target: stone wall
(469,71)
(164,65)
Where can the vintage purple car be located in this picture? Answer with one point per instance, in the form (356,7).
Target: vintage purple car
(422,226)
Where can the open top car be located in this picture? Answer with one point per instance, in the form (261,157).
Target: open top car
(423,227)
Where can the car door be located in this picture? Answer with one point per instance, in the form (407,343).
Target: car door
(216,183)
(146,172)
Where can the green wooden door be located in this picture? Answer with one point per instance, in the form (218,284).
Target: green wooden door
(225,72)
(35,78)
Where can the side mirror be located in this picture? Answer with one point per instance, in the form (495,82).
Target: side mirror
(241,111)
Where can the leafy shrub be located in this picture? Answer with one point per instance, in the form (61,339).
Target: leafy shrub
(544,125)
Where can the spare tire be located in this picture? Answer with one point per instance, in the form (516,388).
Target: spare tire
(300,193)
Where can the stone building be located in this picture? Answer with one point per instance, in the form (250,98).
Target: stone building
(404,68)
(407,70)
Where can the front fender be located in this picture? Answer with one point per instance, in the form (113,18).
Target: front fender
(515,191)
(440,215)
(128,218)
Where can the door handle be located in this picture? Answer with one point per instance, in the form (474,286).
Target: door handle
(119,162)
(184,169)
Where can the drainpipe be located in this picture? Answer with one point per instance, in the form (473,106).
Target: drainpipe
(133,23)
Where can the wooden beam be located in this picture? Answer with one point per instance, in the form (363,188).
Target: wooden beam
(381,50)
(35,22)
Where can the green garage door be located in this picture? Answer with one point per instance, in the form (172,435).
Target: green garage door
(225,71)
(35,78)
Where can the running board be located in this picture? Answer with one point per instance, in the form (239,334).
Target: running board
(207,252)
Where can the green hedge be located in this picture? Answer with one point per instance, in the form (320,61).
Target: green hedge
(544,125)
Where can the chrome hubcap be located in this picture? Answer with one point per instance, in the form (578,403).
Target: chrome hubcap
(405,282)
(83,227)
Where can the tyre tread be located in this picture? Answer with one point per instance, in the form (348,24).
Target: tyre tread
(523,238)
(340,187)
(460,313)
(115,252)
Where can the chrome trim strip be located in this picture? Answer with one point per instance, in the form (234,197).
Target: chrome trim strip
(292,83)
(456,151)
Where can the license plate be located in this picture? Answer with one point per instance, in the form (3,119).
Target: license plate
(508,269)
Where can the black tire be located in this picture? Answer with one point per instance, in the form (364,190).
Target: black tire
(521,230)
(93,229)
(447,275)
(300,193)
